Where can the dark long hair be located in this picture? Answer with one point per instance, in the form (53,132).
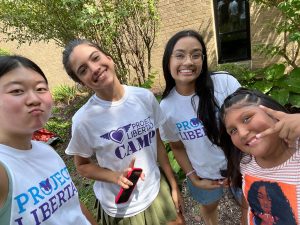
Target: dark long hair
(281,209)
(204,88)
(11,62)
(240,98)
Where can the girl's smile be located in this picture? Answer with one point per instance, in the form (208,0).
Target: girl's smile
(186,62)
(243,123)
(96,71)
(92,67)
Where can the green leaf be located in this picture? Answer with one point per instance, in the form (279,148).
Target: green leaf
(291,82)
(295,37)
(295,73)
(175,166)
(263,86)
(274,72)
(250,75)
(294,99)
(280,95)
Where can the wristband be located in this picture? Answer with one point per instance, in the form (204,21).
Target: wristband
(190,173)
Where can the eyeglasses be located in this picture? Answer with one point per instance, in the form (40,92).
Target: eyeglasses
(196,57)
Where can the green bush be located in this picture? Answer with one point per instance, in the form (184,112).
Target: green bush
(241,72)
(64,93)
(4,52)
(283,86)
(59,126)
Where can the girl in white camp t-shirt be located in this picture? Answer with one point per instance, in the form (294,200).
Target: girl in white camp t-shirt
(191,101)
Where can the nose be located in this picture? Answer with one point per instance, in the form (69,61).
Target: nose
(188,59)
(33,98)
(94,67)
(243,132)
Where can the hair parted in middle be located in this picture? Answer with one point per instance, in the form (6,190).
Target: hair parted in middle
(204,88)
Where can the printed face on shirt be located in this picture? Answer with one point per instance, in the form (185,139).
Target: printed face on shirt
(271,202)
(264,200)
(243,123)
(186,60)
(25,101)
(94,69)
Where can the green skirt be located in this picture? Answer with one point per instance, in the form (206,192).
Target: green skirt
(160,212)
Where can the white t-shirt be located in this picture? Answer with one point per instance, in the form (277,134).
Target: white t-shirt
(42,189)
(183,124)
(116,132)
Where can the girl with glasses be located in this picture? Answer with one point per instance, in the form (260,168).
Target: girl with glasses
(191,101)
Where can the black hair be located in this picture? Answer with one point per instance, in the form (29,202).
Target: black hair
(240,98)
(11,62)
(68,51)
(281,209)
(204,88)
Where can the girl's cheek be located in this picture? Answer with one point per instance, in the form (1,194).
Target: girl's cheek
(233,139)
(236,141)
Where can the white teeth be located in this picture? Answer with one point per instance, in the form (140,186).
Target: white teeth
(252,141)
(186,71)
(98,76)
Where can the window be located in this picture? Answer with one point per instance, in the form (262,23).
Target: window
(233,30)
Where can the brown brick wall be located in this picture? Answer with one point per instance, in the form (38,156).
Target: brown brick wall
(262,31)
(183,14)
(175,15)
(47,56)
(198,14)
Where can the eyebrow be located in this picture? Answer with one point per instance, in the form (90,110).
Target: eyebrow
(193,50)
(90,56)
(21,83)
(241,115)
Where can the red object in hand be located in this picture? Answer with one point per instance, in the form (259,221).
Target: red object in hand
(124,194)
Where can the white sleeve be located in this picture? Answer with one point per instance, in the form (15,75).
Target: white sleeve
(224,85)
(233,84)
(158,115)
(78,144)
(168,131)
